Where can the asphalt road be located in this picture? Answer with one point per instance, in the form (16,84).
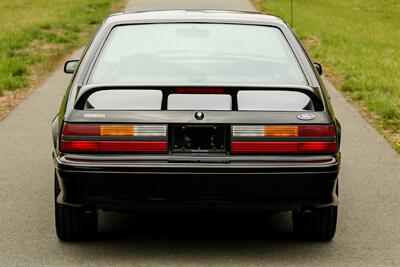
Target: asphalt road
(369,216)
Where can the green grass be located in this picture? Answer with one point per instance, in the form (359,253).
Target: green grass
(358,42)
(35,35)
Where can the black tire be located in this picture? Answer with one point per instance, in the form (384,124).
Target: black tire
(318,224)
(71,224)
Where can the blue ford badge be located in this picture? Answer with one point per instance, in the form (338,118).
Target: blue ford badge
(306,116)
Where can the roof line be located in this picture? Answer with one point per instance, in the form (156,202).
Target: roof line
(203,10)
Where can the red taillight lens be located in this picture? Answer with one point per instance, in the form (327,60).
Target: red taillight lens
(317,147)
(81,129)
(324,130)
(133,146)
(75,146)
(283,147)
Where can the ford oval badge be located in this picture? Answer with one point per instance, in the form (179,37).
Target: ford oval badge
(306,116)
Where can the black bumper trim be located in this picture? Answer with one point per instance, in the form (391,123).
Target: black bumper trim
(123,185)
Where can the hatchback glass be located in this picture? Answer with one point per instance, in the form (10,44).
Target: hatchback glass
(193,53)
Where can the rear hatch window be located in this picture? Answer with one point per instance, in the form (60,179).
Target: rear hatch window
(242,100)
(125,100)
(273,100)
(201,53)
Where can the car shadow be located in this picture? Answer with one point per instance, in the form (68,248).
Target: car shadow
(190,238)
(192,226)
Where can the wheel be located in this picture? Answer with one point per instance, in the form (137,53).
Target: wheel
(317,224)
(73,223)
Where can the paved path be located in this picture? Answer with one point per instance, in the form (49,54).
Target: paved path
(369,220)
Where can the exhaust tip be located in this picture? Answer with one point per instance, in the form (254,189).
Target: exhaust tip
(307,213)
(90,215)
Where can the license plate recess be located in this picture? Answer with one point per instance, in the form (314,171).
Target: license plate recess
(199,138)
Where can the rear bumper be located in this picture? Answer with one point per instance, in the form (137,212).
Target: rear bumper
(168,182)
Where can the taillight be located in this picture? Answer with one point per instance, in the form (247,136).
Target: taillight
(284,147)
(282,131)
(113,146)
(113,138)
(114,130)
(283,139)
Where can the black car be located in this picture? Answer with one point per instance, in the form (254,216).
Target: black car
(214,110)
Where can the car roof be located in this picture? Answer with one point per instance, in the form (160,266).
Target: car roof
(222,16)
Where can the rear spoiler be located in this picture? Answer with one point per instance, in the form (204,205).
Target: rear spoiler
(85,91)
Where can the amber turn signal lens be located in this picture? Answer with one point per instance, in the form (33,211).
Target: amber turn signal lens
(117,130)
(281,131)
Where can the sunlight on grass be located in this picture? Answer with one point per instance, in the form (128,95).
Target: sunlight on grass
(41,32)
(358,41)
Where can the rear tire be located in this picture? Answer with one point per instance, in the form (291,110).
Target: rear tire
(71,224)
(318,224)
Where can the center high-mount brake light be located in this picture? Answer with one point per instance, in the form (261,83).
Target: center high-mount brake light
(113,138)
(199,90)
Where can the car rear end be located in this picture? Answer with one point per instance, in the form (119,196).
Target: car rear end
(198,145)
(213,159)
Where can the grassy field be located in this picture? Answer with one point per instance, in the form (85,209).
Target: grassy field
(358,43)
(36,34)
